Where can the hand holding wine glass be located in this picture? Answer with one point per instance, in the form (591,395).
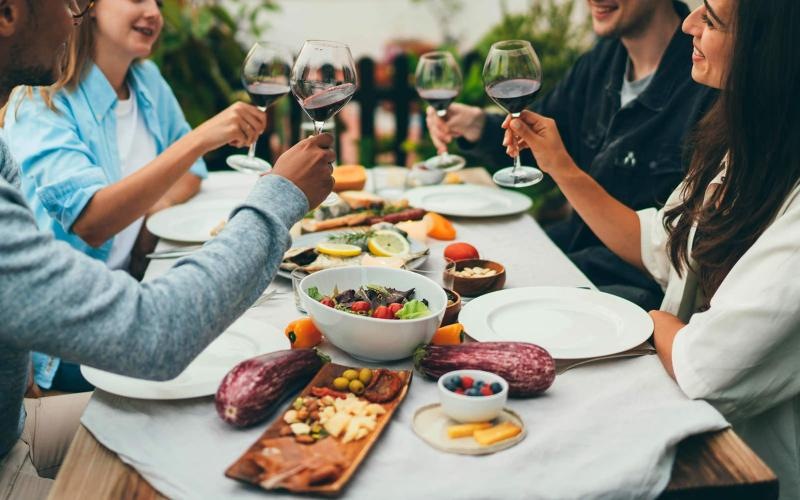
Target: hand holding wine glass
(512,77)
(541,135)
(265,76)
(323,80)
(438,81)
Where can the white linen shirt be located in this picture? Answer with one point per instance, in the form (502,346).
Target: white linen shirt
(743,354)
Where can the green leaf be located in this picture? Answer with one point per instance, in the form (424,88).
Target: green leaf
(413,309)
(313,292)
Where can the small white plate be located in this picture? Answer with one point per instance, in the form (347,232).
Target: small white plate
(191,222)
(571,323)
(244,339)
(468,200)
(430,423)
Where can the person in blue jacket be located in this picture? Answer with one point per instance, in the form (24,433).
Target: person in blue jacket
(108,144)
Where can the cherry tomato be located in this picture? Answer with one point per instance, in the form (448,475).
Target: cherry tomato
(393,308)
(327,301)
(361,306)
(382,312)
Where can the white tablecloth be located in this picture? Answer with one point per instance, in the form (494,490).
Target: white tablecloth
(602,431)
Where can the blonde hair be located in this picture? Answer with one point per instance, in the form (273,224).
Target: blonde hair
(80,49)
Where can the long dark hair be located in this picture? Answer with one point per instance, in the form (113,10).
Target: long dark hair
(756,121)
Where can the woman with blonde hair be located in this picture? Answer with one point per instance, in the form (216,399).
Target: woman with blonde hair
(108,144)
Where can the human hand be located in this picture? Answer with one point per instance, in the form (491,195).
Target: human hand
(308,165)
(540,134)
(239,125)
(460,121)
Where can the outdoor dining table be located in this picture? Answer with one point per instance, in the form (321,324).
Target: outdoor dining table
(714,464)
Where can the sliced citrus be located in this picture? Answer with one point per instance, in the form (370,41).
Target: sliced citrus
(440,228)
(388,243)
(338,249)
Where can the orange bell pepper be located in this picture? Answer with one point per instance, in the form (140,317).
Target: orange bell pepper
(449,335)
(302,333)
(439,227)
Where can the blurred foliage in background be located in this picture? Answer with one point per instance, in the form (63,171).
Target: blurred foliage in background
(200,57)
(558,40)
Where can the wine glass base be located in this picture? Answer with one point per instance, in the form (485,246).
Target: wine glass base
(446,163)
(248,165)
(519,178)
(331,199)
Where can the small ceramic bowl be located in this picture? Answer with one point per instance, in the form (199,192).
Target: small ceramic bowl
(453,307)
(474,286)
(462,408)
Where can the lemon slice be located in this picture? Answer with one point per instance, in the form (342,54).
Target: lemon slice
(338,249)
(388,243)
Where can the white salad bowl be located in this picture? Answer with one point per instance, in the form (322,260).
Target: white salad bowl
(366,338)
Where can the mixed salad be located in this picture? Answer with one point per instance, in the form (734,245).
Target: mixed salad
(374,301)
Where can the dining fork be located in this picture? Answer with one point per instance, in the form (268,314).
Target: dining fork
(266,296)
(174,253)
(633,353)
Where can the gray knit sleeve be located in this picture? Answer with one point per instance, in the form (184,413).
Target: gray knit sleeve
(58,301)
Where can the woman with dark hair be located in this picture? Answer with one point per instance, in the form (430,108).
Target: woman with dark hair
(726,247)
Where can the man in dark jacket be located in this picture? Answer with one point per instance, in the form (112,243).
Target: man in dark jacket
(624,111)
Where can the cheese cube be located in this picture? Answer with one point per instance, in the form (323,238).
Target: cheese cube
(492,435)
(464,430)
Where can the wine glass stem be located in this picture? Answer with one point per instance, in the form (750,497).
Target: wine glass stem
(318,127)
(251,153)
(444,155)
(517,160)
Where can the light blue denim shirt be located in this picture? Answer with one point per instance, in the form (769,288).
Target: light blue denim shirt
(66,156)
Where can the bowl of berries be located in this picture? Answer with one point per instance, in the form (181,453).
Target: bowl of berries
(472,395)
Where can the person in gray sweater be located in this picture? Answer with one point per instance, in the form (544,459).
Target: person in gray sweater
(56,300)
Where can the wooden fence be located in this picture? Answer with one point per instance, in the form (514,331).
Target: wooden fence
(400,93)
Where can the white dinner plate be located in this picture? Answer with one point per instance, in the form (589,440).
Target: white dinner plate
(244,339)
(571,323)
(468,200)
(312,239)
(191,222)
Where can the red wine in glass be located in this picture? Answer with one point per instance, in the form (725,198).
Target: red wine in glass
(439,99)
(514,95)
(323,80)
(323,105)
(512,76)
(263,94)
(265,77)
(438,80)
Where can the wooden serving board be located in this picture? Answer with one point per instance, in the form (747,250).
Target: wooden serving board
(350,454)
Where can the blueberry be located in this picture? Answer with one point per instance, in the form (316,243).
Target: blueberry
(456,380)
(479,384)
(472,392)
(496,387)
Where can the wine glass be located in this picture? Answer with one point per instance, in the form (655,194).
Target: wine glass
(438,81)
(323,81)
(265,76)
(512,77)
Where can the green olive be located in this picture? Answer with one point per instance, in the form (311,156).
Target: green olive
(356,387)
(340,383)
(365,375)
(350,374)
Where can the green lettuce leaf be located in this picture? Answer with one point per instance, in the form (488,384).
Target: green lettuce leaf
(413,309)
(313,292)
